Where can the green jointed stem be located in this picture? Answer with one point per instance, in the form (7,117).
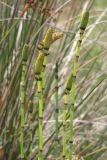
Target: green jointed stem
(56,113)
(67,91)
(43,47)
(30,124)
(64,126)
(40,94)
(83,24)
(38,69)
(23,76)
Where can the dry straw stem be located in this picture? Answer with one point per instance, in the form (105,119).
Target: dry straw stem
(1,153)
(83,24)
(23,76)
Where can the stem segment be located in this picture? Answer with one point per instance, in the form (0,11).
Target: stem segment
(23,76)
(56,113)
(39,84)
(67,92)
(30,125)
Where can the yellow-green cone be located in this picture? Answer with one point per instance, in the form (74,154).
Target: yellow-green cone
(84,20)
(25,52)
(39,63)
(48,38)
(69,83)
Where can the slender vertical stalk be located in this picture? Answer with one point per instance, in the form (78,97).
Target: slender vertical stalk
(67,91)
(39,83)
(30,125)
(38,69)
(83,24)
(23,76)
(56,112)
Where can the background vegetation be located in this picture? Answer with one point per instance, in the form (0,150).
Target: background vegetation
(90,127)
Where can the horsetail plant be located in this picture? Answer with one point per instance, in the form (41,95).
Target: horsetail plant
(23,76)
(20,124)
(67,91)
(83,25)
(40,66)
(39,71)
